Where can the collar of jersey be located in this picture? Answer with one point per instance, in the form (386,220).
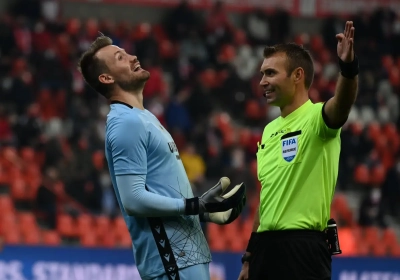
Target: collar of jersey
(296,112)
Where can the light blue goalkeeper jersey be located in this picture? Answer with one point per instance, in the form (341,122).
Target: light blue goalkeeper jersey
(137,144)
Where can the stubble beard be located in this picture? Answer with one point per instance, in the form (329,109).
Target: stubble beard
(134,83)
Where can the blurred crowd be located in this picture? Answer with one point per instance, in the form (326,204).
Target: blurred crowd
(203,88)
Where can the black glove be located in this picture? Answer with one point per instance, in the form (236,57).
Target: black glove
(213,201)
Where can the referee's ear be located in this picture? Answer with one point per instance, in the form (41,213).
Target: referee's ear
(298,75)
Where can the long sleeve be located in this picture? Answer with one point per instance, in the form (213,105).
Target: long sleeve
(137,201)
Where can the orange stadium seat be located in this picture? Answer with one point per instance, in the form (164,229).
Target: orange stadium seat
(218,244)
(4,176)
(379,250)
(213,230)
(31,237)
(65,225)
(374,131)
(124,239)
(389,237)
(236,245)
(247,227)
(378,174)
(371,235)
(8,222)
(231,230)
(394,251)
(102,225)
(84,224)
(108,240)
(12,236)
(361,174)
(347,242)
(27,222)
(89,239)
(51,238)
(120,228)
(18,189)
(6,204)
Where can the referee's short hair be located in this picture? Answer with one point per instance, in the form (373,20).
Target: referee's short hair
(92,67)
(297,56)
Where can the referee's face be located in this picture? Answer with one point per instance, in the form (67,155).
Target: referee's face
(276,83)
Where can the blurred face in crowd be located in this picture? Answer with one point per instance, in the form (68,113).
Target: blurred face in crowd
(279,86)
(124,69)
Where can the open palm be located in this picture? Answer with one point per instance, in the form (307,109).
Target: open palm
(345,46)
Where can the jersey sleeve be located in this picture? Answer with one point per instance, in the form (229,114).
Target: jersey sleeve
(127,137)
(319,125)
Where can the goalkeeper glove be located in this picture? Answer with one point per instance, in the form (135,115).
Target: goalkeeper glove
(212,201)
(226,217)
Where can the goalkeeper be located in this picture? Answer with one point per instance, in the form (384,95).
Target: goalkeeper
(150,182)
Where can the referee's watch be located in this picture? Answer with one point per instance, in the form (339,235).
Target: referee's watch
(245,258)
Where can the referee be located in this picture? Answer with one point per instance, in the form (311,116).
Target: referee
(298,165)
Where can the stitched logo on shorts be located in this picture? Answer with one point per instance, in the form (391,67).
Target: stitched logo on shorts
(289,148)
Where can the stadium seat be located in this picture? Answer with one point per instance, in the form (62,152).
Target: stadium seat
(244,137)
(361,174)
(377,174)
(102,225)
(218,245)
(347,242)
(124,240)
(213,231)
(371,235)
(374,131)
(12,236)
(394,251)
(237,244)
(65,225)
(108,240)
(4,176)
(247,227)
(363,248)
(6,204)
(51,238)
(31,237)
(18,190)
(89,239)
(84,224)
(27,155)
(119,226)
(8,222)
(389,237)
(379,250)
(27,222)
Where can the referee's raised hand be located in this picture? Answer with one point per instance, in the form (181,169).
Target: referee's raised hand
(345,46)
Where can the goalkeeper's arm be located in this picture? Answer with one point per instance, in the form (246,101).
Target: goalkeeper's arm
(138,201)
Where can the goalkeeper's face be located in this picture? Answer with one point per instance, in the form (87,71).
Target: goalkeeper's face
(277,84)
(124,70)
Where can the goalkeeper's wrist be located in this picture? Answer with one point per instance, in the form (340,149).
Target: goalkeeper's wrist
(192,206)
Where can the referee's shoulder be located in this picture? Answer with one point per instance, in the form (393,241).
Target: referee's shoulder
(271,124)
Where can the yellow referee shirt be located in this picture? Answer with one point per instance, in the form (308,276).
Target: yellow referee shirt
(297,163)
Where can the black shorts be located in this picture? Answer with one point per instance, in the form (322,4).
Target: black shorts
(291,255)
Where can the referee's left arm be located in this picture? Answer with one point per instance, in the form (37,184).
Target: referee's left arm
(337,109)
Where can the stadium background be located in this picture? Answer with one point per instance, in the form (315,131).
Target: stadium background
(59,218)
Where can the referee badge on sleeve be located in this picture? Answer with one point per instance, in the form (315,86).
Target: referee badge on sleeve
(290,145)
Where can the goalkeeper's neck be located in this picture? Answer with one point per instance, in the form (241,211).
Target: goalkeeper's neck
(134,99)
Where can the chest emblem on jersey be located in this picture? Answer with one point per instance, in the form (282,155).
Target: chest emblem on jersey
(290,145)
